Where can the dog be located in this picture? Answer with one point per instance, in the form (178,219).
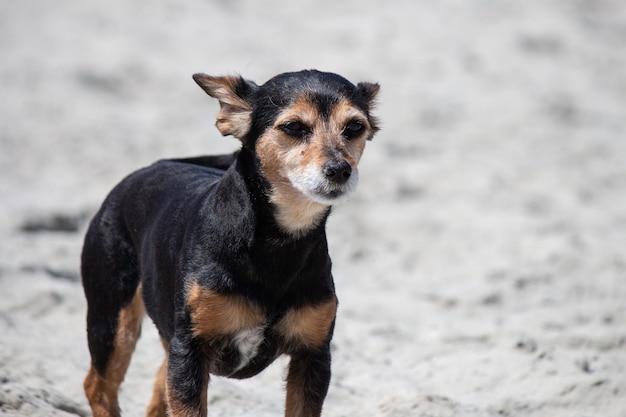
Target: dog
(228,254)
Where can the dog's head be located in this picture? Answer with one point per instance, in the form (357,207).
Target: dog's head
(308,130)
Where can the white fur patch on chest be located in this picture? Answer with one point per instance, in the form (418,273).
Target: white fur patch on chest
(248,342)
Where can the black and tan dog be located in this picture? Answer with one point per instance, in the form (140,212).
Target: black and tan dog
(228,254)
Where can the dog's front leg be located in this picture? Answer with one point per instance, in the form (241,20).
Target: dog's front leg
(187,379)
(307,382)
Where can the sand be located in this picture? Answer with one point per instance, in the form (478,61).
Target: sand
(481,266)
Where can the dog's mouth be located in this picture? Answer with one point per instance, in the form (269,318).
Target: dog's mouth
(327,192)
(332,194)
(317,187)
(332,191)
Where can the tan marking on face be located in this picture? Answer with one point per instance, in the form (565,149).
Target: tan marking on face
(101,390)
(343,114)
(214,314)
(308,325)
(294,166)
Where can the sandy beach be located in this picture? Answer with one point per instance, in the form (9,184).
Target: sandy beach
(481,265)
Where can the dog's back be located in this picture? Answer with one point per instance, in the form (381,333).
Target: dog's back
(137,210)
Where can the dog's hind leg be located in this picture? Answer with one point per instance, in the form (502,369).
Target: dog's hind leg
(114,311)
(107,373)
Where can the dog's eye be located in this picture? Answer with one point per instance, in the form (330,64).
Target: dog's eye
(353,129)
(295,129)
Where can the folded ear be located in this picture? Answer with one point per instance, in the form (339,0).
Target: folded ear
(234,94)
(369,91)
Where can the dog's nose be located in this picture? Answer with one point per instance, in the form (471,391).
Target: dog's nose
(337,171)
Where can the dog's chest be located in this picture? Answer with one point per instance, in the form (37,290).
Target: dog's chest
(247,343)
(238,334)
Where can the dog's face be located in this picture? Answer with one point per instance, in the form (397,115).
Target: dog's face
(308,130)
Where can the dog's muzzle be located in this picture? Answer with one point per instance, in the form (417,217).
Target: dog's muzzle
(337,172)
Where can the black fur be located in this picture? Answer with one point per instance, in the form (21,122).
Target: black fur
(208,219)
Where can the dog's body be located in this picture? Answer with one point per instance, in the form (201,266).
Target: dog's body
(228,253)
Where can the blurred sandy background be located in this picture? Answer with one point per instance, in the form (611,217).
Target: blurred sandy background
(481,268)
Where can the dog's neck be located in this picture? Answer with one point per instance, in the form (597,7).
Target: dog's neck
(292,212)
(295,213)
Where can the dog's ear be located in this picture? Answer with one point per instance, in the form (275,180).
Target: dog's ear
(369,91)
(234,94)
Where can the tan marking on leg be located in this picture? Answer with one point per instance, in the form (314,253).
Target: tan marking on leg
(214,314)
(158,403)
(177,409)
(296,403)
(308,325)
(102,395)
(101,390)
